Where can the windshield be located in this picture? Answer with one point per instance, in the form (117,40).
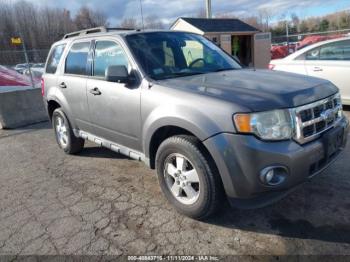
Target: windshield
(165,55)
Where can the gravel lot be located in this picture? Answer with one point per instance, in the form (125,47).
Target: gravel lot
(99,202)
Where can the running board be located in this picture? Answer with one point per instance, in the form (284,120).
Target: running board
(112,146)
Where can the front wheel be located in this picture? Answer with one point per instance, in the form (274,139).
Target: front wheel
(187,177)
(64,133)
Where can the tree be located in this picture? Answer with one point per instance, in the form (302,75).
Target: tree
(153,22)
(86,18)
(265,15)
(129,23)
(99,18)
(253,21)
(303,27)
(296,22)
(324,25)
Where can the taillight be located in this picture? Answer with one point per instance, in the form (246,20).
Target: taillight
(271,66)
(42,86)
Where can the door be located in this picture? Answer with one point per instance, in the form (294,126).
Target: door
(114,107)
(53,60)
(72,84)
(241,49)
(331,62)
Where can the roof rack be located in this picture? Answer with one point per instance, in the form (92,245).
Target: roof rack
(101,29)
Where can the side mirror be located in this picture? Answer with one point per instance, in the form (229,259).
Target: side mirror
(117,74)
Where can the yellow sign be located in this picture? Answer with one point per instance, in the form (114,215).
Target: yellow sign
(16,40)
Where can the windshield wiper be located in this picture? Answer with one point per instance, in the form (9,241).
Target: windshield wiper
(224,69)
(186,73)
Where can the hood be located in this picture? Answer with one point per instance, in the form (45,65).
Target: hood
(258,90)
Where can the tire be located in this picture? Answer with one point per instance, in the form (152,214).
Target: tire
(204,199)
(65,137)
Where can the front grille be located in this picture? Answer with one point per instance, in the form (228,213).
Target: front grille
(316,118)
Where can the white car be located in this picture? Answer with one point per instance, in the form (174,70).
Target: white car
(328,59)
(36,72)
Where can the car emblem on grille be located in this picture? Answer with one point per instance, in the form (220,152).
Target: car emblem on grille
(327,115)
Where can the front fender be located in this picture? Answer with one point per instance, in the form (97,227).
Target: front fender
(181,116)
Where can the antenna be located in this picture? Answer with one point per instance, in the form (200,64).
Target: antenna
(143,25)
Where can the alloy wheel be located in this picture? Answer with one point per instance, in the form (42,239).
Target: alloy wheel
(182,179)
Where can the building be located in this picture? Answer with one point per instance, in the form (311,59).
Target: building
(237,38)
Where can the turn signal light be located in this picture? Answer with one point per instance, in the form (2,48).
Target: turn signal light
(242,122)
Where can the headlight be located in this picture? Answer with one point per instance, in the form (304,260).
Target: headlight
(339,104)
(271,125)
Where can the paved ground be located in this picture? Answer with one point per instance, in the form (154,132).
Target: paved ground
(102,203)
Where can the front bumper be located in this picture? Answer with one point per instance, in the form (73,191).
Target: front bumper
(240,159)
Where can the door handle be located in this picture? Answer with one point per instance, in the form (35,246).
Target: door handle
(318,69)
(62,85)
(95,91)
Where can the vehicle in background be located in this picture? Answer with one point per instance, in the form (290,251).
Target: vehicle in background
(11,78)
(313,39)
(37,72)
(280,50)
(39,65)
(328,60)
(20,68)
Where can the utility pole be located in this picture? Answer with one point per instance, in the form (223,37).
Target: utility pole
(287,35)
(27,60)
(208,9)
(143,25)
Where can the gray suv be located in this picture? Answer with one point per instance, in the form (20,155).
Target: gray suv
(177,102)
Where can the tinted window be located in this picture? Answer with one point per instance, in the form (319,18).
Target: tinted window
(77,58)
(334,51)
(54,59)
(108,53)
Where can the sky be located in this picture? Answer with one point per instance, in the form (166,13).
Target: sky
(169,10)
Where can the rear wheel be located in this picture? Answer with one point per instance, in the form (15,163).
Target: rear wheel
(64,133)
(187,177)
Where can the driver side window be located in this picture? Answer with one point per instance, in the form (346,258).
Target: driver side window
(108,53)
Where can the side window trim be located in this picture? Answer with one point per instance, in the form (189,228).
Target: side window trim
(88,63)
(93,47)
(90,59)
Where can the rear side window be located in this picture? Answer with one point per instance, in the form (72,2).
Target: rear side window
(54,59)
(77,58)
(108,53)
(334,51)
